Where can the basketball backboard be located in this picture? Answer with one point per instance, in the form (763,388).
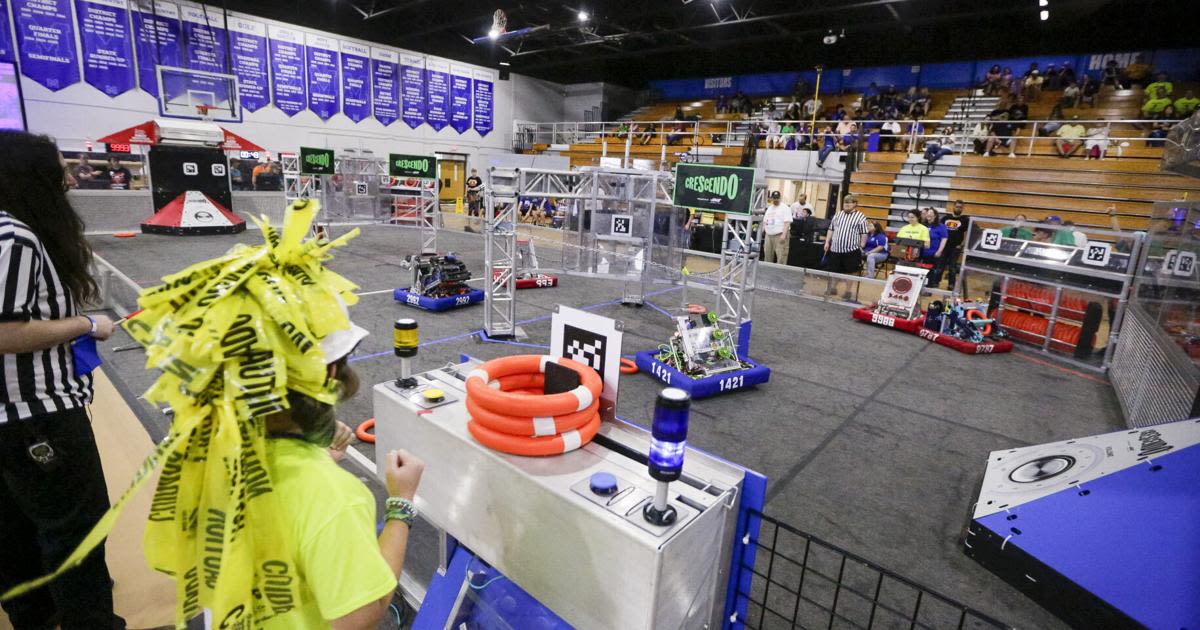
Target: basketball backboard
(184,93)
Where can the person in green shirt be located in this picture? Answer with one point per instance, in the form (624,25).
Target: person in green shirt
(1157,100)
(1062,235)
(1187,104)
(1019,230)
(913,230)
(1161,85)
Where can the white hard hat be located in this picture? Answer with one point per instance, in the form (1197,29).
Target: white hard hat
(340,343)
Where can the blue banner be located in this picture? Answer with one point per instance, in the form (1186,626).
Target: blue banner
(484,99)
(323,85)
(105,43)
(356,81)
(412,88)
(204,40)
(437,93)
(287,70)
(385,85)
(248,50)
(7,53)
(460,98)
(156,39)
(46,38)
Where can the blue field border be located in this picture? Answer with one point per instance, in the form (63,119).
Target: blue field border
(757,374)
(438,305)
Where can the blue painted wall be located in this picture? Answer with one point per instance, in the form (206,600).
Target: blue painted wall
(1182,65)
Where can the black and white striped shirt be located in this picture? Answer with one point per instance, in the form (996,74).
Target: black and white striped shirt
(848,229)
(43,381)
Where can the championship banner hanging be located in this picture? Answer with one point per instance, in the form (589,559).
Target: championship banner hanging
(288,89)
(385,85)
(322,75)
(46,37)
(419,166)
(718,188)
(412,88)
(7,53)
(248,47)
(437,93)
(105,43)
(460,98)
(156,37)
(204,39)
(356,77)
(484,94)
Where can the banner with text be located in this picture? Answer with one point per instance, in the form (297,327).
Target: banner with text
(484,98)
(7,51)
(204,39)
(287,69)
(412,88)
(437,93)
(323,81)
(156,37)
(46,38)
(420,166)
(726,189)
(460,98)
(385,85)
(356,77)
(248,47)
(105,42)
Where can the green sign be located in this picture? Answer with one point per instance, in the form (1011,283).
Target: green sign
(316,161)
(717,188)
(421,166)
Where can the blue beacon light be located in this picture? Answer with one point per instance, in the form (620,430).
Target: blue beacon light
(667,446)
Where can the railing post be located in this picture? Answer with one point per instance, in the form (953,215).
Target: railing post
(1032,139)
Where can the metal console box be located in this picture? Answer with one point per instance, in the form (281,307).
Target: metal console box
(590,559)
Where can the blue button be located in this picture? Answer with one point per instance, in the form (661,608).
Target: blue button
(603,483)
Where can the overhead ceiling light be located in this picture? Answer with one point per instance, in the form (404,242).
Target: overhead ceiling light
(697,104)
(505,63)
(583,16)
(1045,15)
(493,33)
(1043,3)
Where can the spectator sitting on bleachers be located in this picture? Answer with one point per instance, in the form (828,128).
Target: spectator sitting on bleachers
(1019,230)
(678,113)
(1000,135)
(720,105)
(1186,104)
(793,111)
(1164,87)
(876,250)
(1112,75)
(1096,143)
(905,101)
(889,132)
(936,149)
(1070,95)
(622,130)
(813,106)
(1053,78)
(1006,79)
(1078,237)
(1162,126)
(678,132)
(787,137)
(1060,234)
(889,97)
(1156,101)
(1088,90)
(1033,86)
(846,126)
(647,136)
(838,113)
(1137,71)
(870,96)
(991,81)
(1069,138)
(774,138)
(829,144)
(923,104)
(1067,74)
(1053,122)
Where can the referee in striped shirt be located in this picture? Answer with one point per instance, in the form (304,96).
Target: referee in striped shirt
(52,488)
(844,243)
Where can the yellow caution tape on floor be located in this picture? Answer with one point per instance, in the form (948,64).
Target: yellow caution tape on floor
(230,336)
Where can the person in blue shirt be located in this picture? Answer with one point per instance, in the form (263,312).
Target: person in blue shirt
(876,250)
(934,254)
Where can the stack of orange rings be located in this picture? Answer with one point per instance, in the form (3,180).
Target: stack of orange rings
(696,309)
(974,314)
(628,366)
(558,423)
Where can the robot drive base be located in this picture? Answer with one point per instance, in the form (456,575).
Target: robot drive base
(704,387)
(915,326)
(438,304)
(535,281)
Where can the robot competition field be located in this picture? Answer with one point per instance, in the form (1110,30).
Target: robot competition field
(872,440)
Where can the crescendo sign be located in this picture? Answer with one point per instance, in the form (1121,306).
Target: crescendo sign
(718,188)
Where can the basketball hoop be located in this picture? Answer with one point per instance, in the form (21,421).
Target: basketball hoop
(202,110)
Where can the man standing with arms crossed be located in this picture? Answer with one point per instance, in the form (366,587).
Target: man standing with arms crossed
(844,243)
(474,196)
(956,226)
(775,230)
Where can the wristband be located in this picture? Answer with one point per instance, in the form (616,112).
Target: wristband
(92,322)
(399,509)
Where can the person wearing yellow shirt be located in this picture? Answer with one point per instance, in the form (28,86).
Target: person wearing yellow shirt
(1161,85)
(1069,138)
(1187,104)
(913,230)
(1158,100)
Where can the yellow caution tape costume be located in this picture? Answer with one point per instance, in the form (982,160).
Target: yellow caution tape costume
(231,336)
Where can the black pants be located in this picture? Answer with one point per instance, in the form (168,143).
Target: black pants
(45,511)
(951,260)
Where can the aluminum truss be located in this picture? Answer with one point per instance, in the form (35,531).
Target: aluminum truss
(294,186)
(412,205)
(499,251)
(739,267)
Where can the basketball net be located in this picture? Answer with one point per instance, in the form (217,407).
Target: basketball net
(203,110)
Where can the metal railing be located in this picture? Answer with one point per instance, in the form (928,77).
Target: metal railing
(617,138)
(801,581)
